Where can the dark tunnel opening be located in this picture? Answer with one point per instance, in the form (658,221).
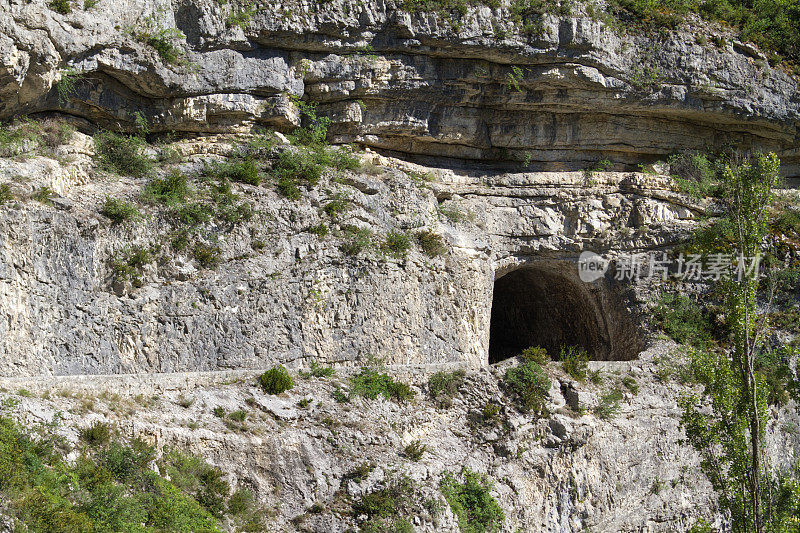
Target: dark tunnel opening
(546,304)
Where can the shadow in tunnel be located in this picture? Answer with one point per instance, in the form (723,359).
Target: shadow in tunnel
(546,304)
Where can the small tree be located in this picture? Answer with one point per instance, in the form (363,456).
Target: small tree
(730,439)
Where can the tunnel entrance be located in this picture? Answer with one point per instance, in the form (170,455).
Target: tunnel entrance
(546,304)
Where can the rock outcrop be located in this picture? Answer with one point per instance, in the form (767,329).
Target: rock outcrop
(565,473)
(474,87)
(283,294)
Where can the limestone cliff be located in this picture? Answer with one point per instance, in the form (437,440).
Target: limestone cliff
(484,158)
(473,86)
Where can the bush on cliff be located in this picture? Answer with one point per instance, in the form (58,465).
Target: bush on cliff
(472,502)
(371,383)
(119,211)
(529,384)
(443,386)
(123,154)
(575,362)
(276,380)
(109,486)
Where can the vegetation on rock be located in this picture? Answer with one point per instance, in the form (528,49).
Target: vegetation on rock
(529,384)
(443,386)
(123,154)
(575,362)
(110,484)
(119,210)
(730,438)
(472,503)
(371,383)
(276,380)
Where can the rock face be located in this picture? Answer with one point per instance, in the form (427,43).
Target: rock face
(283,294)
(498,123)
(564,473)
(471,87)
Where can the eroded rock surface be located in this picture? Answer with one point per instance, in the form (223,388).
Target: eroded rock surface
(569,471)
(284,294)
(472,87)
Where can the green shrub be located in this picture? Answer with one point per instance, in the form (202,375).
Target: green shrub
(234,213)
(421,178)
(119,210)
(128,264)
(172,189)
(6,195)
(453,213)
(66,87)
(276,380)
(163,40)
(97,434)
(537,354)
(490,412)
(370,383)
(238,170)
(123,154)
(472,503)
(61,6)
(108,487)
(788,320)
(630,384)
(320,230)
(595,376)
(431,243)
(191,213)
(193,476)
(241,501)
(359,473)
(383,508)
(314,130)
(608,406)
(443,386)
(240,16)
(415,450)
(208,255)
(575,362)
(298,165)
(437,6)
(530,385)
(43,194)
(684,320)
(775,371)
(344,158)
(396,244)
(239,415)
(701,526)
(126,463)
(318,371)
(356,240)
(340,395)
(787,224)
(288,188)
(338,205)
(695,173)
